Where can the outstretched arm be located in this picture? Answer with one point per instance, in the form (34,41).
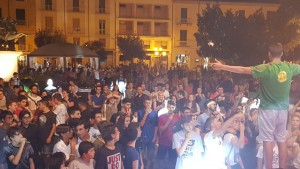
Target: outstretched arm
(235,69)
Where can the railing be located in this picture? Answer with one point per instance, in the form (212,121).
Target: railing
(21,22)
(182,21)
(102,31)
(102,10)
(76,9)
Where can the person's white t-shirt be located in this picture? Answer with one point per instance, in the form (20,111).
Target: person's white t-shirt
(94,132)
(62,147)
(80,164)
(275,162)
(91,139)
(32,102)
(232,152)
(192,155)
(214,152)
(61,114)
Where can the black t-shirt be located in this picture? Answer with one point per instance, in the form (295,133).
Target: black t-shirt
(45,122)
(130,155)
(108,159)
(31,134)
(138,102)
(3,143)
(24,161)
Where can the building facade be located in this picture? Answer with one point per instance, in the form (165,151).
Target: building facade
(166,27)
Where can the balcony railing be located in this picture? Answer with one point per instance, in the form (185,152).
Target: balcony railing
(76,9)
(76,30)
(102,31)
(102,10)
(184,21)
(21,22)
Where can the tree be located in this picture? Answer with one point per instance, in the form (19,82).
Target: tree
(98,47)
(8,34)
(285,27)
(47,36)
(231,36)
(131,47)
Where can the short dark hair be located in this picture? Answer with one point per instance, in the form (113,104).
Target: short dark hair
(21,97)
(44,102)
(170,102)
(84,147)
(131,134)
(56,160)
(62,128)
(16,87)
(5,113)
(12,131)
(57,96)
(126,100)
(23,113)
(107,130)
(276,49)
(34,85)
(10,102)
(72,110)
(181,92)
(93,114)
(85,124)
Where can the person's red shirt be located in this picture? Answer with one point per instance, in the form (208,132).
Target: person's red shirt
(165,138)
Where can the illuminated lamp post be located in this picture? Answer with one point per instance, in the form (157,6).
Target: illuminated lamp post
(159,53)
(8,63)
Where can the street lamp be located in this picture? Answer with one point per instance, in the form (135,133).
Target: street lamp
(158,52)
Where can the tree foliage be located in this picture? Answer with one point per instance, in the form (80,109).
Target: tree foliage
(47,36)
(285,27)
(98,47)
(131,47)
(231,36)
(241,40)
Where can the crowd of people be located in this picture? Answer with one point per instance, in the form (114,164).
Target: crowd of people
(161,119)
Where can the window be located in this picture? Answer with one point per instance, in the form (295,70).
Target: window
(48,5)
(75,5)
(49,22)
(102,6)
(76,41)
(183,15)
(157,7)
(183,35)
(20,16)
(140,6)
(76,24)
(0,12)
(122,5)
(164,44)
(146,44)
(183,38)
(102,27)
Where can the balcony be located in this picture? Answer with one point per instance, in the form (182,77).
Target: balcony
(183,44)
(76,8)
(76,30)
(102,31)
(184,21)
(21,22)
